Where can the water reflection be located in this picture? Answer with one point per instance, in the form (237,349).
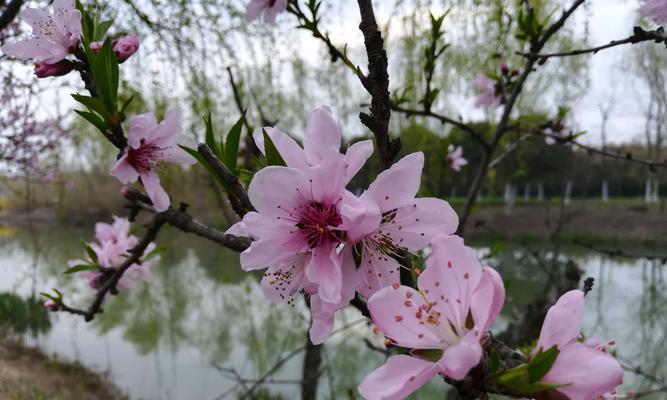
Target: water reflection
(179,335)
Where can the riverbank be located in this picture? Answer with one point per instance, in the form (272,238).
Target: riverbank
(26,373)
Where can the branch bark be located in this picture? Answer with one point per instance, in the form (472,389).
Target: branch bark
(10,13)
(377,84)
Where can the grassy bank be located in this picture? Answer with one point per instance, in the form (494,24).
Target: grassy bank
(26,373)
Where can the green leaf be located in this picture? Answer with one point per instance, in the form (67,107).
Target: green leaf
(101,30)
(356,254)
(154,253)
(93,119)
(232,144)
(91,253)
(541,364)
(495,362)
(245,175)
(273,157)
(93,103)
(126,103)
(106,74)
(81,267)
(206,165)
(210,138)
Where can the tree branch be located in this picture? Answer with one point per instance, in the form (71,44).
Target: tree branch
(377,84)
(640,35)
(238,196)
(11,11)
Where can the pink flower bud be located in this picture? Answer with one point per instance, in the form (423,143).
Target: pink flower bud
(95,47)
(44,70)
(504,68)
(50,306)
(126,46)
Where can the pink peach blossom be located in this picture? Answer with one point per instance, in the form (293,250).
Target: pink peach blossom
(151,144)
(453,289)
(455,158)
(298,224)
(112,247)
(125,47)
(270,9)
(95,47)
(387,218)
(488,94)
(54,35)
(655,10)
(587,371)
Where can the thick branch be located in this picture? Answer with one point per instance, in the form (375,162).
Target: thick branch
(11,11)
(186,223)
(238,196)
(377,84)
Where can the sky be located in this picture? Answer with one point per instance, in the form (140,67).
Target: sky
(608,20)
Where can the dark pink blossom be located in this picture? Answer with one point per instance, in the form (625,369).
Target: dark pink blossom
(45,70)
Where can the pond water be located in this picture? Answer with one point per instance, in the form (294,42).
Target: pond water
(179,335)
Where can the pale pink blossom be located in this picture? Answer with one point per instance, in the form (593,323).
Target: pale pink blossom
(455,158)
(112,246)
(655,10)
(125,47)
(455,306)
(297,226)
(552,136)
(387,219)
(269,8)
(151,144)
(487,91)
(45,70)
(586,371)
(54,36)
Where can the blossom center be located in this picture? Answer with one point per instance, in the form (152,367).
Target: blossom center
(143,158)
(317,221)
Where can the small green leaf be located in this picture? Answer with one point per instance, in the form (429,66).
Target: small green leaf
(101,30)
(126,103)
(91,253)
(541,364)
(206,165)
(273,157)
(356,254)
(495,362)
(245,175)
(93,119)
(81,267)
(93,103)
(428,354)
(210,137)
(232,141)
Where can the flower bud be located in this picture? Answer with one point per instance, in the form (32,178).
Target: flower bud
(51,306)
(44,70)
(504,68)
(125,46)
(95,47)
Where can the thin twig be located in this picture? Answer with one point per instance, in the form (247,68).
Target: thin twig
(640,35)
(109,285)
(11,11)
